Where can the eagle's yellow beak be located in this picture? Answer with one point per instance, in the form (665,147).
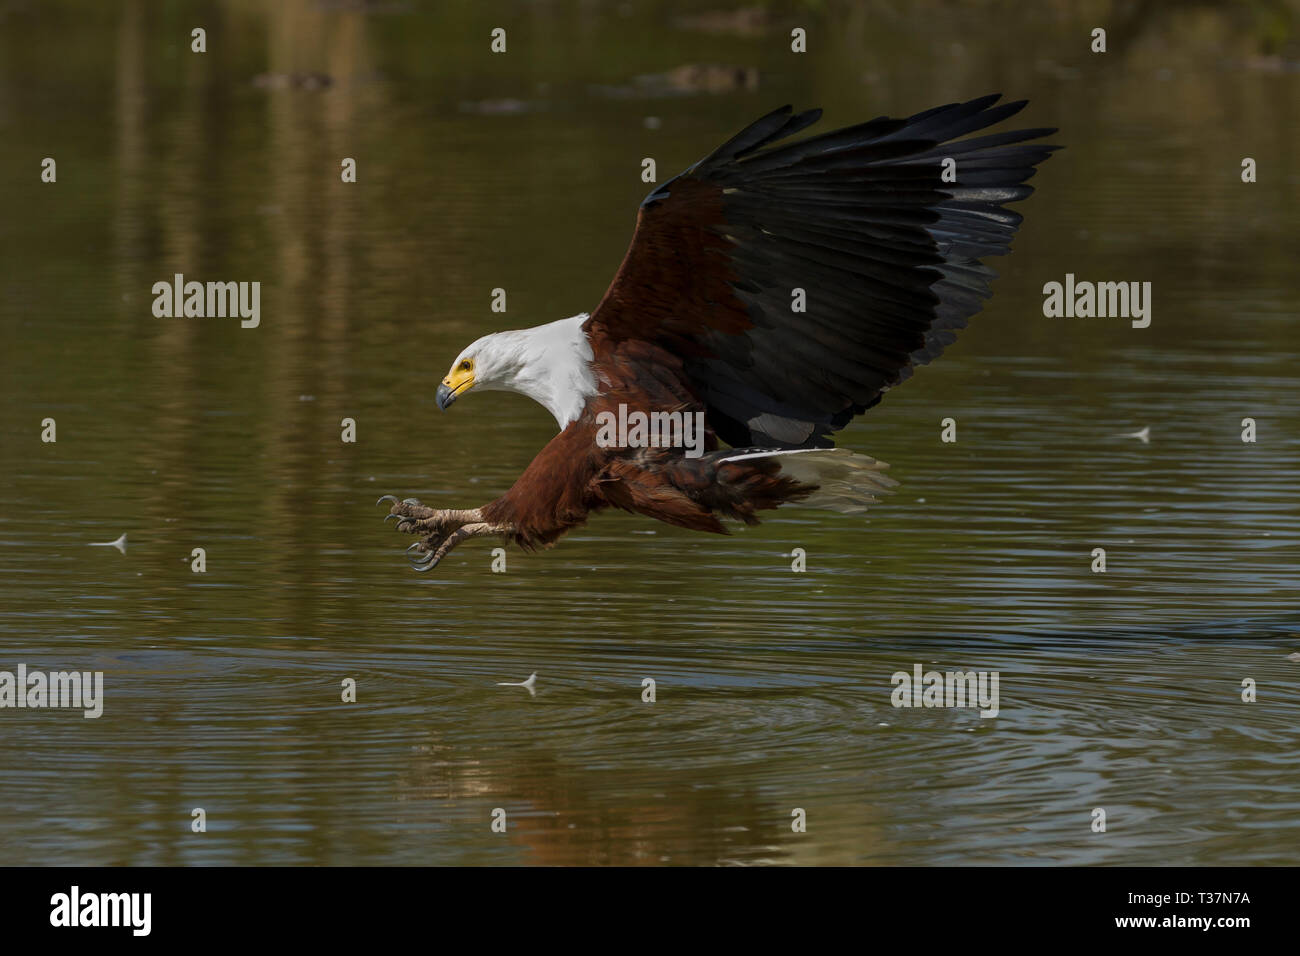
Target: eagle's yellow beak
(459,379)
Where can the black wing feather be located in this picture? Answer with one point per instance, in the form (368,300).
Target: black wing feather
(887,253)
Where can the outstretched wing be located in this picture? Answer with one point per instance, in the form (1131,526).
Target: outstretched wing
(886,253)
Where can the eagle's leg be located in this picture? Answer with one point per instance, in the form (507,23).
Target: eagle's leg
(434,548)
(416,518)
(442,530)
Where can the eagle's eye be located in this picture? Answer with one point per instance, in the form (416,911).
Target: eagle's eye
(466,365)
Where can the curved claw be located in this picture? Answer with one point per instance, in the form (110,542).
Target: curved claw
(411,501)
(414,546)
(392,498)
(400,518)
(425,562)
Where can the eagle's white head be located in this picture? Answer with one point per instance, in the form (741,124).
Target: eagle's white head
(551,364)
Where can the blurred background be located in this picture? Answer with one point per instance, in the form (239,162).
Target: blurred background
(522,171)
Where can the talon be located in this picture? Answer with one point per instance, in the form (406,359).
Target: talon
(392,498)
(438,531)
(411,501)
(402,522)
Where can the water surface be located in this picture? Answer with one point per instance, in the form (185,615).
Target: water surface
(1119,690)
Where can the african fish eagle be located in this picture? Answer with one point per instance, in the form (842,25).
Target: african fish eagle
(703,319)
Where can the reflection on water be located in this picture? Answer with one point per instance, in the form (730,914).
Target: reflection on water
(1119,690)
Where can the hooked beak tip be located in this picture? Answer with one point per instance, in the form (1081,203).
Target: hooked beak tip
(444,397)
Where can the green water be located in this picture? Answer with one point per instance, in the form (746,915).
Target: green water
(1119,690)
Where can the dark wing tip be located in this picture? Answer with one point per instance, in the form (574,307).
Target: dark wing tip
(773,126)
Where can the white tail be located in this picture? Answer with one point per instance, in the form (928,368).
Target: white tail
(846,481)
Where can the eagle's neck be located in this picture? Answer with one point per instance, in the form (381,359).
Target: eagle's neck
(552,366)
